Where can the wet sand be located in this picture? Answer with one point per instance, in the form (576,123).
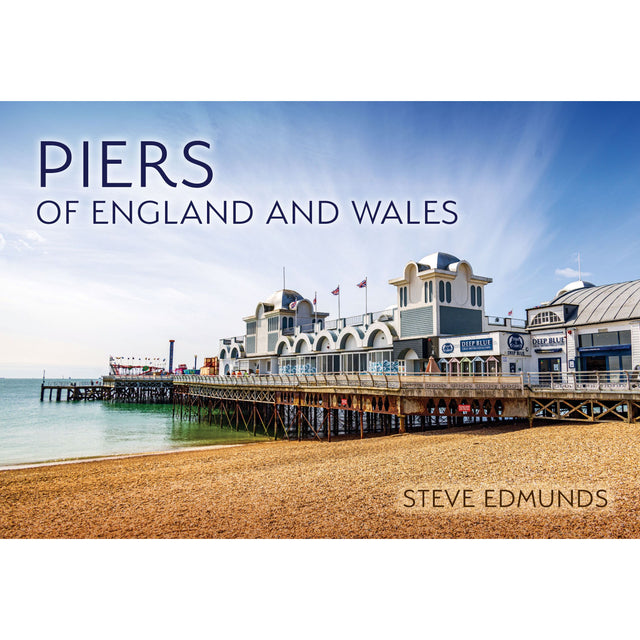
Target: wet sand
(346,489)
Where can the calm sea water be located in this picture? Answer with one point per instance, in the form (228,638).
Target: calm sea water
(34,431)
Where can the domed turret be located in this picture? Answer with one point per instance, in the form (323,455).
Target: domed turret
(438,260)
(282,299)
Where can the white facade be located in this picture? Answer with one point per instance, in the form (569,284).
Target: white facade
(439,312)
(485,353)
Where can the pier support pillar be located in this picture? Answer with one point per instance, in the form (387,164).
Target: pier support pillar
(402,428)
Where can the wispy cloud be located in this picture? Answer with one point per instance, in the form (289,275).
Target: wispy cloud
(568,272)
(3,242)
(33,236)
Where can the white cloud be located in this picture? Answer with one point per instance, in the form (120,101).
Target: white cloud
(3,242)
(570,273)
(33,236)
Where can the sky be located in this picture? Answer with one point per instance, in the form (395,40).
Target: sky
(535,184)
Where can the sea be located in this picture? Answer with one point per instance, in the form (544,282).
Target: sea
(32,431)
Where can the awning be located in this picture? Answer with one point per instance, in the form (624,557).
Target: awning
(558,350)
(609,347)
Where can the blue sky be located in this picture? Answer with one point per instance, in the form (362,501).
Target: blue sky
(535,183)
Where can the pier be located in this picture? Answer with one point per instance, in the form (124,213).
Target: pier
(140,389)
(75,393)
(128,389)
(325,406)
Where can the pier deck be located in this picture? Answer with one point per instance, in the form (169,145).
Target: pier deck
(75,393)
(325,405)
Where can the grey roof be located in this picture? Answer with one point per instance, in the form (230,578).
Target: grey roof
(607,303)
(438,260)
(281,299)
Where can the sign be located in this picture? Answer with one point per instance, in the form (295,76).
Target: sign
(343,402)
(548,341)
(447,347)
(464,408)
(477,344)
(515,342)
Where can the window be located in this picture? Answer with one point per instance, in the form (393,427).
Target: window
(473,296)
(441,290)
(426,292)
(604,338)
(430,291)
(251,328)
(479,296)
(354,362)
(448,292)
(403,296)
(545,317)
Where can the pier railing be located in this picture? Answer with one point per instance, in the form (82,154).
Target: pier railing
(585,380)
(158,378)
(364,380)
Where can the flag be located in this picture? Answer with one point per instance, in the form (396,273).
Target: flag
(362,284)
(315,301)
(510,313)
(292,305)
(336,291)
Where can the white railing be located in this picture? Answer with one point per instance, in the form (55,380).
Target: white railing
(585,380)
(572,380)
(165,377)
(364,379)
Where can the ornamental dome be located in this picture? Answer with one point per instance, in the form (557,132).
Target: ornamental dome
(438,260)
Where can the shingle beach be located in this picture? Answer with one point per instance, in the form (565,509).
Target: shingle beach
(345,489)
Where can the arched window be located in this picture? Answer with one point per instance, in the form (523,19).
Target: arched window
(290,321)
(545,317)
(473,295)
(426,292)
(448,292)
(441,290)
(430,291)
(479,297)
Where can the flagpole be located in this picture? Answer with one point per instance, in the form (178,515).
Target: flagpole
(366,289)
(315,311)
(284,286)
(338,304)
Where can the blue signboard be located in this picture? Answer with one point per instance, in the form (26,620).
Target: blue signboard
(476,344)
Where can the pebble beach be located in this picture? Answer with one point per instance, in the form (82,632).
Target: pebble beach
(344,489)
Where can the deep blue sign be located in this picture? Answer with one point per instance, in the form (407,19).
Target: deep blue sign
(477,344)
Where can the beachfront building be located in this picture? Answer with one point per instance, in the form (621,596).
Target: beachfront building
(587,328)
(439,312)
(505,350)
(436,297)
